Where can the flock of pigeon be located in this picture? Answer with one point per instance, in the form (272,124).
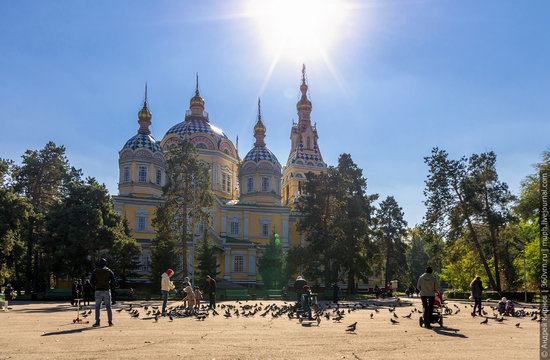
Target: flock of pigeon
(324,312)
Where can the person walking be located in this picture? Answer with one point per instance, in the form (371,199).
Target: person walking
(87,292)
(165,286)
(102,279)
(210,289)
(74,293)
(299,288)
(427,284)
(335,291)
(476,286)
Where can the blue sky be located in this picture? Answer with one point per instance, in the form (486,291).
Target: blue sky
(466,76)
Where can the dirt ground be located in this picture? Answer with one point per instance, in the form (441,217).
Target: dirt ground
(46,331)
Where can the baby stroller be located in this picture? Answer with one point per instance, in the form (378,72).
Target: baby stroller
(308,305)
(437,315)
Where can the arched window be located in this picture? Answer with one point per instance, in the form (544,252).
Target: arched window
(250,185)
(265,184)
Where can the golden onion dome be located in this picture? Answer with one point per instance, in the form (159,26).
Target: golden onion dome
(144,113)
(197,100)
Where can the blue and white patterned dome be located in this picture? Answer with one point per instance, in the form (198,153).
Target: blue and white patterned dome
(193,125)
(259,153)
(143,141)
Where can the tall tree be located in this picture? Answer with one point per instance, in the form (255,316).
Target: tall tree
(124,254)
(391,231)
(15,211)
(187,192)
(319,207)
(82,227)
(355,218)
(417,258)
(271,264)
(42,178)
(449,209)
(165,252)
(207,264)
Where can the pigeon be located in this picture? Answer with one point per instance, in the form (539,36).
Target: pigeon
(371,315)
(485,321)
(394,321)
(352,327)
(156,318)
(171,317)
(499,319)
(518,324)
(119,310)
(318,320)
(408,316)
(395,316)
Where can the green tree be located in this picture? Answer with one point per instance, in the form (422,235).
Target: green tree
(391,229)
(82,227)
(164,248)
(187,193)
(319,206)
(14,214)
(354,222)
(124,254)
(42,178)
(271,264)
(207,264)
(450,205)
(417,258)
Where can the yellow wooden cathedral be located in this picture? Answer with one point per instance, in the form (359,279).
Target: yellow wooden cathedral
(254,197)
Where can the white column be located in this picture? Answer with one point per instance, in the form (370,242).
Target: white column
(227,265)
(223,228)
(252,265)
(245,227)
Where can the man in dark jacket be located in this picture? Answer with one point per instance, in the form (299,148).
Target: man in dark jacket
(103,279)
(477,289)
(210,289)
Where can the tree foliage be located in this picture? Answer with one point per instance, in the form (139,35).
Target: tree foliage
(271,264)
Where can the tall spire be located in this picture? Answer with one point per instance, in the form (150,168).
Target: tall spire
(197,93)
(144,116)
(304,105)
(197,102)
(259,128)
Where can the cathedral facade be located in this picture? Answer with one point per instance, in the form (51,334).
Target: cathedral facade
(254,197)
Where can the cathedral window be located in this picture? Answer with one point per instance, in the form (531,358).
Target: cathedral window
(249,185)
(126,174)
(234,227)
(158,180)
(145,262)
(228,184)
(238,263)
(141,222)
(224,177)
(265,229)
(142,174)
(265,184)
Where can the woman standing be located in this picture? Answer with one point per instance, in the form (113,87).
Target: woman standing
(476,287)
(165,286)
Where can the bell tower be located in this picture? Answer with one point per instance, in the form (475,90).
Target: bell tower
(305,155)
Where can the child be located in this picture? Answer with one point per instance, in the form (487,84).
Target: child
(198,297)
(189,296)
(510,309)
(502,306)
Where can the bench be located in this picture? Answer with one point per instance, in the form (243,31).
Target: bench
(237,294)
(58,294)
(274,294)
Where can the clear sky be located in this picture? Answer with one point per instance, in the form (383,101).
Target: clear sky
(388,79)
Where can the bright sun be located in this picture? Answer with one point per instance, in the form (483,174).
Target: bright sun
(298,29)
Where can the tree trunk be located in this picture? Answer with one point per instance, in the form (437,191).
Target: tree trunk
(351,282)
(185,270)
(28,270)
(474,237)
(494,240)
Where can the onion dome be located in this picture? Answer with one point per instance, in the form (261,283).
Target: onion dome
(143,139)
(260,152)
(197,100)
